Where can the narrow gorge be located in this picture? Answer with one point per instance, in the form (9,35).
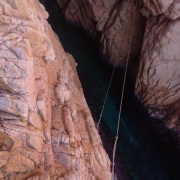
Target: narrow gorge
(52,93)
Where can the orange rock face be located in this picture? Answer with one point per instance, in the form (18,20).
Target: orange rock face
(46,128)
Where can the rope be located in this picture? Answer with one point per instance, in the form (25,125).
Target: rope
(112,75)
(122,96)
(107,92)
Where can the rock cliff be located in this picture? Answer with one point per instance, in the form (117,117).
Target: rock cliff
(46,128)
(158,80)
(109,21)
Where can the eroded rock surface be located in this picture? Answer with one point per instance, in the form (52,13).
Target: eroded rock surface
(110,21)
(46,128)
(158,81)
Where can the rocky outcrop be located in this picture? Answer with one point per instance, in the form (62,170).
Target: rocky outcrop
(158,81)
(110,21)
(46,128)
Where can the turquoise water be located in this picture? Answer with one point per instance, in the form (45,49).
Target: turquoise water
(142,153)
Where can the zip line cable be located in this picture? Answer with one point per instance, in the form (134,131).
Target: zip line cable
(122,95)
(107,92)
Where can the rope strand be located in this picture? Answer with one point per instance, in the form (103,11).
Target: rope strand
(98,124)
(122,96)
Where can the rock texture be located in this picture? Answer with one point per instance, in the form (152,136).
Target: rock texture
(46,128)
(110,21)
(158,81)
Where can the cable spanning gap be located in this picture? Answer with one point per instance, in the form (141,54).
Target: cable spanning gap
(98,124)
(112,75)
(122,95)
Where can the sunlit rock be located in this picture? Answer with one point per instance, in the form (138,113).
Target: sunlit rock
(40,134)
